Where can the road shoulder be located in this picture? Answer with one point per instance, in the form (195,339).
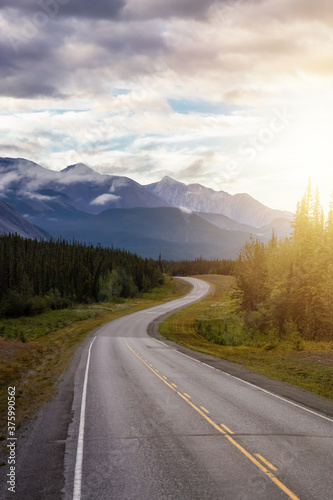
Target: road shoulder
(281,389)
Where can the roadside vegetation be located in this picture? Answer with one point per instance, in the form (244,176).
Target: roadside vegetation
(275,314)
(216,326)
(199,266)
(50,341)
(37,276)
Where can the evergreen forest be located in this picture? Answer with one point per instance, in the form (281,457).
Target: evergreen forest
(285,287)
(199,266)
(40,275)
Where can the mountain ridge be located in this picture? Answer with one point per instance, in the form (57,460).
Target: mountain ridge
(13,223)
(116,210)
(240,207)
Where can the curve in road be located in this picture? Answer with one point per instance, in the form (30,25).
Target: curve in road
(152,423)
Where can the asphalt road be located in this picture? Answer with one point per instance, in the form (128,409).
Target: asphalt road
(151,423)
(137,418)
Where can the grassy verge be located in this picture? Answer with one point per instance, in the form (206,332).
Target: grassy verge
(311,368)
(50,340)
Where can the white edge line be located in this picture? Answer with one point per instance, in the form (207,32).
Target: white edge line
(186,356)
(161,343)
(209,366)
(255,386)
(79,451)
(283,399)
(260,389)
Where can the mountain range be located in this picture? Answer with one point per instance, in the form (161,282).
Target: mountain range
(168,217)
(12,222)
(239,207)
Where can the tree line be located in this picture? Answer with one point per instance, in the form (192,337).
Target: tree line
(199,266)
(39,275)
(286,286)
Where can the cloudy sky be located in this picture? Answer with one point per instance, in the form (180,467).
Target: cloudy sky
(234,94)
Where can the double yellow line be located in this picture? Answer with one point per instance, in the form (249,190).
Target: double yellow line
(269,474)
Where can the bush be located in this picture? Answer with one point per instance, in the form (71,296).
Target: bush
(227,331)
(13,305)
(292,335)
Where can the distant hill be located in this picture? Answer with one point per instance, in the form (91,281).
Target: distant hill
(33,190)
(168,217)
(241,208)
(281,226)
(148,232)
(11,223)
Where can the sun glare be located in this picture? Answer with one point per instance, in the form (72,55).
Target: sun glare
(309,150)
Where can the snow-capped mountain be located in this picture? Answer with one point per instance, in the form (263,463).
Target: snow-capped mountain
(241,208)
(168,217)
(33,190)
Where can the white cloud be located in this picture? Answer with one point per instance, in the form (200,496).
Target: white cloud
(60,105)
(104,199)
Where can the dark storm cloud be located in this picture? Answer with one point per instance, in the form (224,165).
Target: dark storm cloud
(44,62)
(97,9)
(152,9)
(30,66)
(83,46)
(116,9)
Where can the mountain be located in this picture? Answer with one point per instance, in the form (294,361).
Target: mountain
(35,191)
(241,208)
(150,231)
(12,222)
(168,217)
(281,226)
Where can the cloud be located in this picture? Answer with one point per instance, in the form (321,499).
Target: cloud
(37,196)
(7,179)
(118,183)
(197,46)
(13,148)
(99,9)
(257,54)
(103,199)
(115,9)
(150,9)
(185,210)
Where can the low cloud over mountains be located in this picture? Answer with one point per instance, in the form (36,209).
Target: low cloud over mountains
(169,217)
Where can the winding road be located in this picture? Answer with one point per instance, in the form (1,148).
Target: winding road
(152,423)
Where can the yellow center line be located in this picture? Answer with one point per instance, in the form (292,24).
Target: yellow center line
(174,385)
(187,395)
(271,476)
(204,409)
(227,429)
(166,378)
(266,462)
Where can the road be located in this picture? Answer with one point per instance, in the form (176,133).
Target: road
(139,418)
(152,423)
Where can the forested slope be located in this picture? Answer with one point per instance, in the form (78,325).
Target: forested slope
(286,286)
(36,275)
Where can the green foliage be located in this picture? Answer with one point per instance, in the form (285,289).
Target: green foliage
(286,286)
(37,276)
(199,266)
(222,324)
(292,334)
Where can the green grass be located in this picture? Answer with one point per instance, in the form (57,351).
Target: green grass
(34,327)
(213,327)
(51,339)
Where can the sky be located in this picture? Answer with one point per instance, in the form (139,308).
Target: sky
(236,95)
